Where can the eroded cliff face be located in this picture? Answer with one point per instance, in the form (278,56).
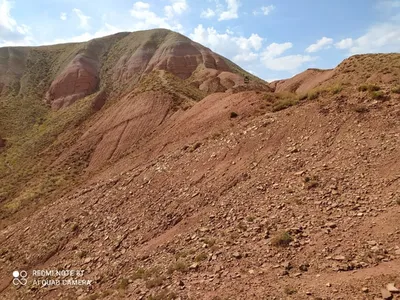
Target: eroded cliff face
(126,60)
(79,79)
(62,74)
(182,59)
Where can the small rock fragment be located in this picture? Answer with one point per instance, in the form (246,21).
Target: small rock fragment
(386,294)
(339,258)
(287,265)
(391,288)
(304,267)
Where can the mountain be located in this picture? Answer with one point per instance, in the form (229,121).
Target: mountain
(146,161)
(51,126)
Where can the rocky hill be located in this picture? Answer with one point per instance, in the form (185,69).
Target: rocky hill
(165,180)
(64,108)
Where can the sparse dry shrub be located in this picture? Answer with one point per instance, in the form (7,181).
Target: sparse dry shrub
(155,282)
(378,95)
(281,239)
(368,87)
(360,108)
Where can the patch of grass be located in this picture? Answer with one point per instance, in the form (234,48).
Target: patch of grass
(378,95)
(75,228)
(178,266)
(93,297)
(216,135)
(209,242)
(368,87)
(336,89)
(269,97)
(302,97)
(233,115)
(155,282)
(396,90)
(280,101)
(82,254)
(314,94)
(250,219)
(311,182)
(142,273)
(281,239)
(163,295)
(33,144)
(123,284)
(200,257)
(289,290)
(139,274)
(283,104)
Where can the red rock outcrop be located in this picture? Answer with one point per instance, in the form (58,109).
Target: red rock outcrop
(79,79)
(180,58)
(302,82)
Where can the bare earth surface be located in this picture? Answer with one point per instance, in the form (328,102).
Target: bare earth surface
(224,198)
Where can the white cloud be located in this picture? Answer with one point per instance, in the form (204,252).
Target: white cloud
(63,16)
(226,43)
(147,19)
(289,63)
(254,41)
(246,57)
(272,60)
(267,9)
(11,33)
(275,49)
(209,13)
(231,12)
(344,44)
(83,19)
(323,43)
(247,50)
(384,37)
(209,37)
(177,7)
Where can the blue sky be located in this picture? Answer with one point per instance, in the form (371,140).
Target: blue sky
(272,39)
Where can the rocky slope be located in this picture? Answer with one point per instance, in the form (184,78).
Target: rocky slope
(246,194)
(59,92)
